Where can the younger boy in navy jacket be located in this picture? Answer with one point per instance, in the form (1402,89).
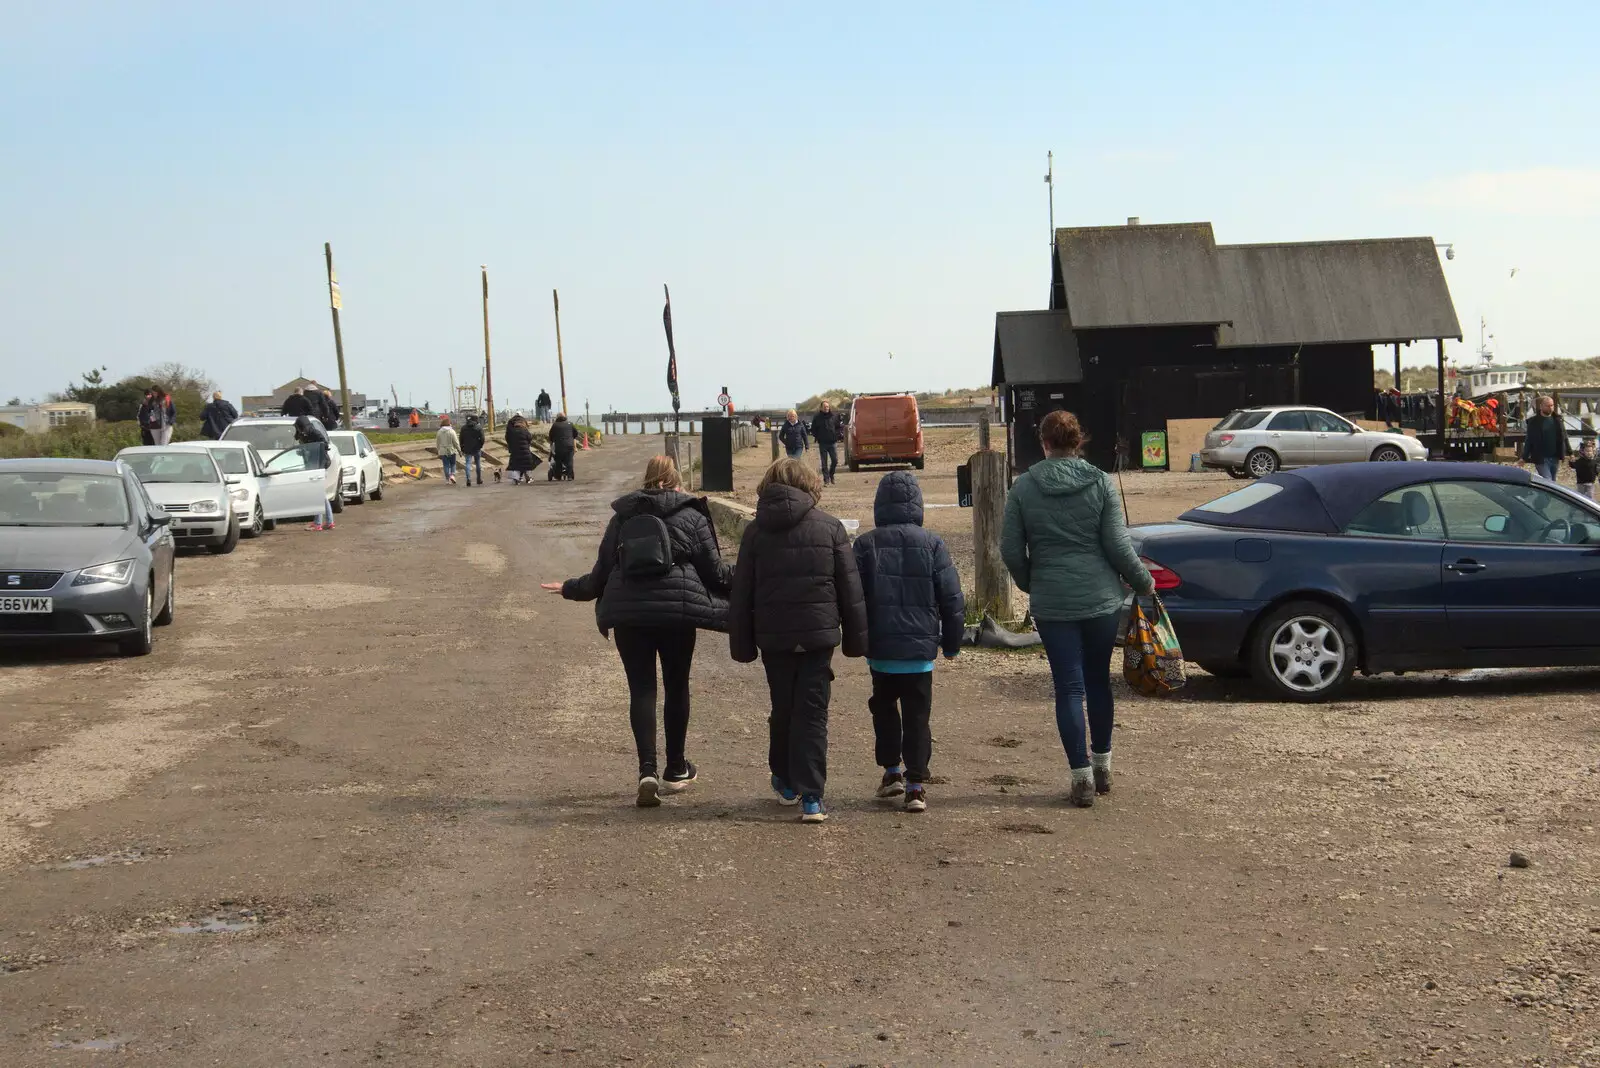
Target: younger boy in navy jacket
(914,610)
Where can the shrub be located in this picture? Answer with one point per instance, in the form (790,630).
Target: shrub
(83,440)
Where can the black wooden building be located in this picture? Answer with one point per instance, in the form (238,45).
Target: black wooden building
(1151,323)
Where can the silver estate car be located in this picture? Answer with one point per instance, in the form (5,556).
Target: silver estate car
(84,555)
(1255,442)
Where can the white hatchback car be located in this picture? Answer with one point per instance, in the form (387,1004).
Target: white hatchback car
(289,466)
(260,499)
(361,474)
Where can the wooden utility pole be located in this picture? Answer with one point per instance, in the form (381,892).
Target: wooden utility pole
(488,372)
(335,302)
(561,363)
(991,581)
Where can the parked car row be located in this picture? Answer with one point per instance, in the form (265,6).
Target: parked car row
(88,547)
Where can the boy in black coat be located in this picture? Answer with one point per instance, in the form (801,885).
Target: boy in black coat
(914,609)
(796,596)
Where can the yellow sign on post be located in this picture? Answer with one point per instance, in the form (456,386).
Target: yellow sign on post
(333,294)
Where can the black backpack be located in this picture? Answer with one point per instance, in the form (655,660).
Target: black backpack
(644,547)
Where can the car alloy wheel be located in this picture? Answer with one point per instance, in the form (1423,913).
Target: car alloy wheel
(1307,654)
(1261,463)
(258,521)
(1388,455)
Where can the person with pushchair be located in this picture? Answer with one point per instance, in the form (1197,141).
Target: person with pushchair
(563,444)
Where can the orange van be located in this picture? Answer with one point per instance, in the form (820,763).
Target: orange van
(885,428)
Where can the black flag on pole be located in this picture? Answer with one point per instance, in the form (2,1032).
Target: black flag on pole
(672,352)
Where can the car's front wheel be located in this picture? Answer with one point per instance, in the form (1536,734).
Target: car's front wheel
(1261,463)
(141,643)
(1304,651)
(338,502)
(377,492)
(258,523)
(361,496)
(228,542)
(164,617)
(1388,454)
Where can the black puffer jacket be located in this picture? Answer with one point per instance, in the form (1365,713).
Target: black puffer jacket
(914,602)
(792,436)
(825,428)
(519,446)
(796,585)
(563,436)
(694,593)
(471,437)
(296,405)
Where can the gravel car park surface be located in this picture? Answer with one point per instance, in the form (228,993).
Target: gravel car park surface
(370,802)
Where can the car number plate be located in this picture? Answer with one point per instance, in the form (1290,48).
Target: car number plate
(16,606)
(872,448)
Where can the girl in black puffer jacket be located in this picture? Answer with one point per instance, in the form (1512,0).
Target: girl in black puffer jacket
(796,595)
(659,576)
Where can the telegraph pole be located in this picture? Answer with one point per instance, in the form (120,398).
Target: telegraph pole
(561,364)
(488,373)
(336,303)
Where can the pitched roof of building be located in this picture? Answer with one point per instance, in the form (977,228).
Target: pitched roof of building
(1033,347)
(1315,292)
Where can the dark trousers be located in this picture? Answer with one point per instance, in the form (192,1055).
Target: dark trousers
(561,463)
(801,685)
(639,648)
(1080,666)
(901,706)
(828,451)
(147,436)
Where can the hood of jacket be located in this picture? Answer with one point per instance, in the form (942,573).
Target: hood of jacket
(1063,477)
(660,503)
(899,500)
(781,507)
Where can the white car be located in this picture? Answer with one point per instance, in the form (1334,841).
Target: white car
(1255,442)
(291,466)
(361,473)
(185,482)
(260,499)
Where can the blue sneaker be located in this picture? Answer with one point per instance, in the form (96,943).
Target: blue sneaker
(786,796)
(811,810)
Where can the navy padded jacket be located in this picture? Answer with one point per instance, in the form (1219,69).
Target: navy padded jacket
(914,602)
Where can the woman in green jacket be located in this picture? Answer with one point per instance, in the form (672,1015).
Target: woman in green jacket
(1067,548)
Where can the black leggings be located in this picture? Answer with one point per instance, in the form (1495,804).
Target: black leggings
(639,647)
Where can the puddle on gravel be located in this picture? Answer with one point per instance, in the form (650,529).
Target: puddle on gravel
(227,922)
(101,860)
(108,1044)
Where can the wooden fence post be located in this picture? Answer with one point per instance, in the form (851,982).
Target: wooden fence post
(991,581)
(774,446)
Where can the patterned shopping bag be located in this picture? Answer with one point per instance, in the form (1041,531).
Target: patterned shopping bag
(1152,662)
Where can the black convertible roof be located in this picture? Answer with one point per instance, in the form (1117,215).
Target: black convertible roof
(1323,500)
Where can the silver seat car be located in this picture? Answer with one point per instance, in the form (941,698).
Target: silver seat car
(84,554)
(1256,442)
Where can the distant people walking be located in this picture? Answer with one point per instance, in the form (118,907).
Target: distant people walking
(792,436)
(563,446)
(471,450)
(1584,468)
(218,416)
(297,404)
(825,431)
(521,459)
(541,407)
(448,445)
(169,417)
(1066,545)
(394,419)
(914,610)
(313,439)
(152,417)
(1546,444)
(796,597)
(659,576)
(416,419)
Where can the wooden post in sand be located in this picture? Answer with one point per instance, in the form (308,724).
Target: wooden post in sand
(991,581)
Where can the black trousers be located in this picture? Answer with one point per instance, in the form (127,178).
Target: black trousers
(901,707)
(801,685)
(639,648)
(828,454)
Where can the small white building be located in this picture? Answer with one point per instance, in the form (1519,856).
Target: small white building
(38,418)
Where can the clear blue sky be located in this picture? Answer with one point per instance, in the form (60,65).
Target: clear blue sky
(820,184)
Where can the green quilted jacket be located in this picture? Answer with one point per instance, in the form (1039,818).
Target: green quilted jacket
(1065,542)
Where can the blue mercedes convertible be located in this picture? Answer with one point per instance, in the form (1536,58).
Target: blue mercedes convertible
(1303,578)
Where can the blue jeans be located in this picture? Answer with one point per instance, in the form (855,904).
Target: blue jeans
(828,453)
(1080,666)
(1547,468)
(467,460)
(449,463)
(795,454)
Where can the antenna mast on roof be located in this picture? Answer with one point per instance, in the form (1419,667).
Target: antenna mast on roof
(1050,180)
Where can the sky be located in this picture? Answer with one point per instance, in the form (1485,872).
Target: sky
(821,185)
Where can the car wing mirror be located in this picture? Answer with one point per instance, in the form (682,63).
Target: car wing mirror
(1496,524)
(235,481)
(161,520)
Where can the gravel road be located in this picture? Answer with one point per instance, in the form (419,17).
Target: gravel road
(369,802)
